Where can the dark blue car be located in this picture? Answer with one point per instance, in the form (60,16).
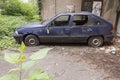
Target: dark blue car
(67,28)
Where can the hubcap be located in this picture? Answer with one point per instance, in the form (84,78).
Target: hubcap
(96,41)
(32,41)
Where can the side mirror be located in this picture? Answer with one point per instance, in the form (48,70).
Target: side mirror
(50,25)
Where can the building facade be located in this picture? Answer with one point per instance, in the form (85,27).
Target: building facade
(108,9)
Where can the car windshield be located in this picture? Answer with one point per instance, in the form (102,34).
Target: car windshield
(45,21)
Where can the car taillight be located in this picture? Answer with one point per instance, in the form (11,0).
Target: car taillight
(112,30)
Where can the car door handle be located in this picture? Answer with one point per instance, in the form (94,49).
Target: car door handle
(67,29)
(48,31)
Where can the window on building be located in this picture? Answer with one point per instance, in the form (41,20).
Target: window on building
(87,5)
(94,6)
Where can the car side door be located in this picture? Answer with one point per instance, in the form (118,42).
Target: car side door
(59,29)
(82,28)
(77,28)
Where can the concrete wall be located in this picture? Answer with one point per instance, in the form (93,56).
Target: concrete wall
(118,27)
(52,7)
(110,10)
(62,5)
(48,9)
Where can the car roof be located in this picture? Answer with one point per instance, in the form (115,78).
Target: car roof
(84,13)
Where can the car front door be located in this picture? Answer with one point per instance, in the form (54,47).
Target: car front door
(59,29)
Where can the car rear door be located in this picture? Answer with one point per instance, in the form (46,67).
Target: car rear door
(82,28)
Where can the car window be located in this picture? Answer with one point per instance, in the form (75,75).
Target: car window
(61,21)
(80,20)
(85,20)
(77,17)
(94,21)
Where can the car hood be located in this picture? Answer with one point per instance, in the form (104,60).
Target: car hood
(31,25)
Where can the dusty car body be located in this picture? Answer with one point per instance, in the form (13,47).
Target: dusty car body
(67,28)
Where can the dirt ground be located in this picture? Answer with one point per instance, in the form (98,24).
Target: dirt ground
(76,61)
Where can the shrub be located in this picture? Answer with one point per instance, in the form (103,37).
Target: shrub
(14,13)
(7,42)
(8,24)
(18,8)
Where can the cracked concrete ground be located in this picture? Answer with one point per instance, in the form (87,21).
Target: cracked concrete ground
(68,62)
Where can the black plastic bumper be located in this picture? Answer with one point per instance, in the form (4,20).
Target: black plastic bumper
(108,38)
(18,38)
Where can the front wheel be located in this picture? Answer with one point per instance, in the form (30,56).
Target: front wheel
(95,41)
(31,40)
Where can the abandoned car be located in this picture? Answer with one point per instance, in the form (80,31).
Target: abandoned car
(67,28)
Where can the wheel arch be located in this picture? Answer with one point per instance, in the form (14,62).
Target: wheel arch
(30,34)
(96,36)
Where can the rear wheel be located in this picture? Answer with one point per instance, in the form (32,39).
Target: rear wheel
(95,41)
(31,40)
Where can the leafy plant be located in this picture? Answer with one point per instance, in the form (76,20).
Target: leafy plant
(8,24)
(18,8)
(1,54)
(15,13)
(23,65)
(7,42)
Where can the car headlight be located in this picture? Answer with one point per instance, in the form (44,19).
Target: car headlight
(16,32)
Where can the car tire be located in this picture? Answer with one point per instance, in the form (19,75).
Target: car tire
(31,40)
(95,41)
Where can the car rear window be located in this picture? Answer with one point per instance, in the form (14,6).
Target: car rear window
(85,20)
